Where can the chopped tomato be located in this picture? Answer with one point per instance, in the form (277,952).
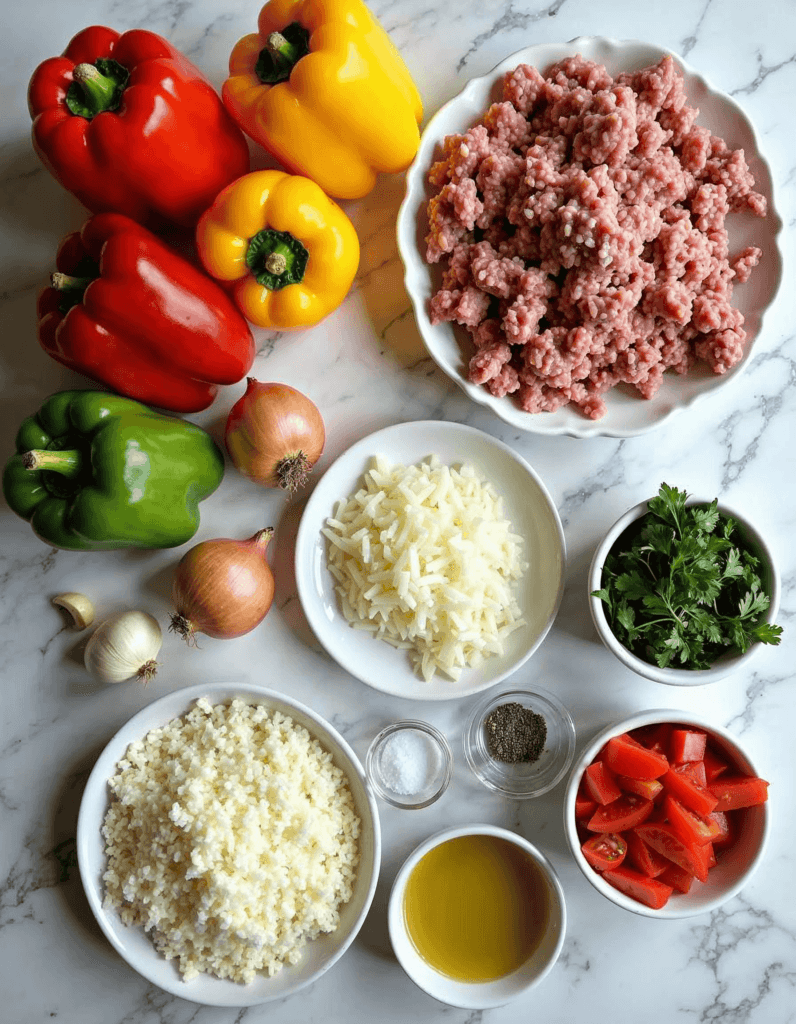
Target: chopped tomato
(694,770)
(648,788)
(696,797)
(687,745)
(626,756)
(723,829)
(654,737)
(677,877)
(663,838)
(648,891)
(642,857)
(600,783)
(690,826)
(584,807)
(706,856)
(714,765)
(605,851)
(658,813)
(627,811)
(734,791)
(671,823)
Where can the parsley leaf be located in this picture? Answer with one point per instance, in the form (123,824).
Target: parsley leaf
(680,588)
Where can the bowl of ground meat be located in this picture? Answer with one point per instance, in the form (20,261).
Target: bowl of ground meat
(589,238)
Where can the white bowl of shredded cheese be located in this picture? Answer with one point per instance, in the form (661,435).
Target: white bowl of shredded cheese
(430,560)
(229,844)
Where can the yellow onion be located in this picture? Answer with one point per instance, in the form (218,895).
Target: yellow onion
(274,435)
(223,588)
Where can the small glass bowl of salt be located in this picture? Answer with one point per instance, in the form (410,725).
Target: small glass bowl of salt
(409,764)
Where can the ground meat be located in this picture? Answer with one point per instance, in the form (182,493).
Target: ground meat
(582,230)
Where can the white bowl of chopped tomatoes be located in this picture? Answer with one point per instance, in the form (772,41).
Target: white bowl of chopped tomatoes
(666,815)
(724,589)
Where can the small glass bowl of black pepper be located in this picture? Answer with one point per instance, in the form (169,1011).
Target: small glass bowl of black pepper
(520,742)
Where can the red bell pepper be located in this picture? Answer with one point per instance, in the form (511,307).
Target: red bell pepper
(128,125)
(138,317)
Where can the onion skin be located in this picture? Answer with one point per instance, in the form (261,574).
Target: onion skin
(223,588)
(274,435)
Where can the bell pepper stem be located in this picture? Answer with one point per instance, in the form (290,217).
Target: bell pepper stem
(276,263)
(70,289)
(68,463)
(98,90)
(96,87)
(276,259)
(277,43)
(68,283)
(282,51)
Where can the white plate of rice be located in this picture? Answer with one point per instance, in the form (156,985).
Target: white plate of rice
(96,852)
(526,505)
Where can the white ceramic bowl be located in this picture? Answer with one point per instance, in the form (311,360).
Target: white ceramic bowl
(449,345)
(527,504)
(736,864)
(725,665)
(134,945)
(478,995)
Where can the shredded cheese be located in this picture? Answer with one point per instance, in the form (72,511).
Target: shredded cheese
(424,558)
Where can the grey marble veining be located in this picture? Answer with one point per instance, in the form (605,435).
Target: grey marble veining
(735,966)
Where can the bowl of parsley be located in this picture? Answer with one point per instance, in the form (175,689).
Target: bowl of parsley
(684,591)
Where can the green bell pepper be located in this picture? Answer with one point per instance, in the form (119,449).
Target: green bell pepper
(96,471)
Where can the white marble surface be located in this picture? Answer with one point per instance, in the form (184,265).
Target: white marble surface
(369,370)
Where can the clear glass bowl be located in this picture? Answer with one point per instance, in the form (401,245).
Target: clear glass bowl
(380,763)
(525,779)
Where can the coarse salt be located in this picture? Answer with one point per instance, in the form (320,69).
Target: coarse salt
(410,762)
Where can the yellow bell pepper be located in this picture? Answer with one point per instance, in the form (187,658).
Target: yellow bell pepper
(288,250)
(322,87)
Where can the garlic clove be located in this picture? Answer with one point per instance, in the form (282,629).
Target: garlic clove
(79,607)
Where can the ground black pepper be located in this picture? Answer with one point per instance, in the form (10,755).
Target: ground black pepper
(515,733)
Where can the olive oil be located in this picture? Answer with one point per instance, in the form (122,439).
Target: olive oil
(476,907)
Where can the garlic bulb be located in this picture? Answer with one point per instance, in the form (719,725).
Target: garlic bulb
(123,646)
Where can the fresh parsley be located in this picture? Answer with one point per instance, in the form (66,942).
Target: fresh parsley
(680,589)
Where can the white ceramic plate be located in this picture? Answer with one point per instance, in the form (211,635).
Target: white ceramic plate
(134,945)
(449,345)
(526,503)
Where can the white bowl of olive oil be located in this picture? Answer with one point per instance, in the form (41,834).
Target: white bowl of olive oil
(476,916)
